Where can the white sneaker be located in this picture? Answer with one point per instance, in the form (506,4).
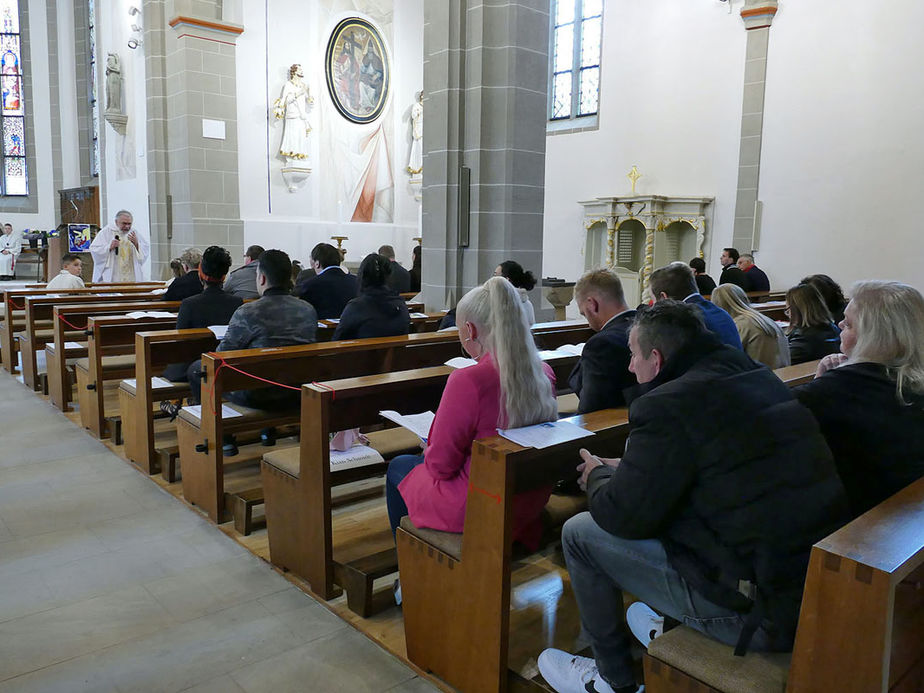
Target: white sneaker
(644,622)
(568,673)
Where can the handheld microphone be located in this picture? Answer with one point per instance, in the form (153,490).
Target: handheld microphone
(117,247)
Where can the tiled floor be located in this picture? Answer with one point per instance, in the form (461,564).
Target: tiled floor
(107,583)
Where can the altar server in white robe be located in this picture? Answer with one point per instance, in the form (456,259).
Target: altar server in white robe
(69,276)
(10,247)
(119,252)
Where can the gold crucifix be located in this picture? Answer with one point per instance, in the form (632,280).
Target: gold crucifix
(633,176)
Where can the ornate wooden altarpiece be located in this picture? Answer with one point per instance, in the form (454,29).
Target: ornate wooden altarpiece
(635,234)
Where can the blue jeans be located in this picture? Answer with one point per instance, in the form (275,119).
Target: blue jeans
(398,468)
(601,565)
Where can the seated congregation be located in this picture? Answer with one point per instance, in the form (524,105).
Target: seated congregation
(712,473)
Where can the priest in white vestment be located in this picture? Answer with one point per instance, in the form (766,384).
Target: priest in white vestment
(10,248)
(119,252)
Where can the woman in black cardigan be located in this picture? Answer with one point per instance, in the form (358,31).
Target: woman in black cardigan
(869,398)
(377,311)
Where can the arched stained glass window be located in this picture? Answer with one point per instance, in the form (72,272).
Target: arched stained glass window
(12,103)
(577,30)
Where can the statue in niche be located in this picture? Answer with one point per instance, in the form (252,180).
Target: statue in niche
(114,114)
(415,161)
(113,84)
(292,107)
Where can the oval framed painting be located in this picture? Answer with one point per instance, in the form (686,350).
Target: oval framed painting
(358,73)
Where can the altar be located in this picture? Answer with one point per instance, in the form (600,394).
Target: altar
(635,234)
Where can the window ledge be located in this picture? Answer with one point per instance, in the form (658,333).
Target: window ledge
(573,125)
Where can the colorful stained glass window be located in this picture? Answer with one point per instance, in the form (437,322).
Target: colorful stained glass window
(577,34)
(13,172)
(92,89)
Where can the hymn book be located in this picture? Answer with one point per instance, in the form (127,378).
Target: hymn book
(418,424)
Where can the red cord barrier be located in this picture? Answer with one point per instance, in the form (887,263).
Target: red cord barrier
(14,306)
(224,364)
(324,386)
(70,324)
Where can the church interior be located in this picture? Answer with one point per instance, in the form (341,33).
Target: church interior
(224,547)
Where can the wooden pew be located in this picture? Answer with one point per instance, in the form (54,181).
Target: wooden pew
(425,322)
(38,331)
(153,352)
(861,626)
(297,487)
(109,336)
(201,450)
(13,302)
(66,318)
(468,647)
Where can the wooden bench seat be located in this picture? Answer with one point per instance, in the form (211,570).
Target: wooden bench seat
(861,627)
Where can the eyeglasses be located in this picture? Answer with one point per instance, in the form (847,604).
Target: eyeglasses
(787,313)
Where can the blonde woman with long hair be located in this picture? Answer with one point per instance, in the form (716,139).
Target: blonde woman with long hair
(508,387)
(761,337)
(869,398)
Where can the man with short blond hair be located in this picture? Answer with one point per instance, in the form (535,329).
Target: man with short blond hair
(602,374)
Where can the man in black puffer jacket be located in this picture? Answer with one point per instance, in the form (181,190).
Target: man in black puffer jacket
(725,484)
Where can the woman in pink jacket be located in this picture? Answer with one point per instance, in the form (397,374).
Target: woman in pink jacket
(509,387)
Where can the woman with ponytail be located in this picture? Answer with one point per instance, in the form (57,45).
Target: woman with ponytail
(508,387)
(523,281)
(378,311)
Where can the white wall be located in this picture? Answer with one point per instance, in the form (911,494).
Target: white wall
(842,154)
(670,103)
(295,222)
(124,178)
(842,167)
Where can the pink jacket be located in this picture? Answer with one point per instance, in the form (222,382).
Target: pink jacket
(435,491)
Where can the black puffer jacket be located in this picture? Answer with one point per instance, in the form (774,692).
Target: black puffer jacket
(731,473)
(376,312)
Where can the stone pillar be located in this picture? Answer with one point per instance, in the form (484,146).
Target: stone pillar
(192,128)
(485,84)
(757,16)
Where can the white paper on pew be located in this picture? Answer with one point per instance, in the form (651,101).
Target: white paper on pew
(418,424)
(356,456)
(545,435)
(159,291)
(335,321)
(218,330)
(547,355)
(226,411)
(419,315)
(460,362)
(138,314)
(768,304)
(156,382)
(74,345)
(572,349)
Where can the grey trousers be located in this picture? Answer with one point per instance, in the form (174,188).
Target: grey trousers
(602,565)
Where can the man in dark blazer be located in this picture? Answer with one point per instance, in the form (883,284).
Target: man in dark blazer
(189,284)
(730,272)
(676,281)
(330,289)
(602,373)
(212,306)
(756,278)
(400,279)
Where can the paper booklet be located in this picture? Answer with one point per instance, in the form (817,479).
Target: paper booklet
(356,456)
(156,382)
(138,314)
(460,362)
(545,435)
(74,345)
(218,330)
(419,315)
(418,424)
(572,349)
(226,411)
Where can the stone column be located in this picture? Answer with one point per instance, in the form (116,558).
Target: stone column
(191,92)
(757,16)
(485,84)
